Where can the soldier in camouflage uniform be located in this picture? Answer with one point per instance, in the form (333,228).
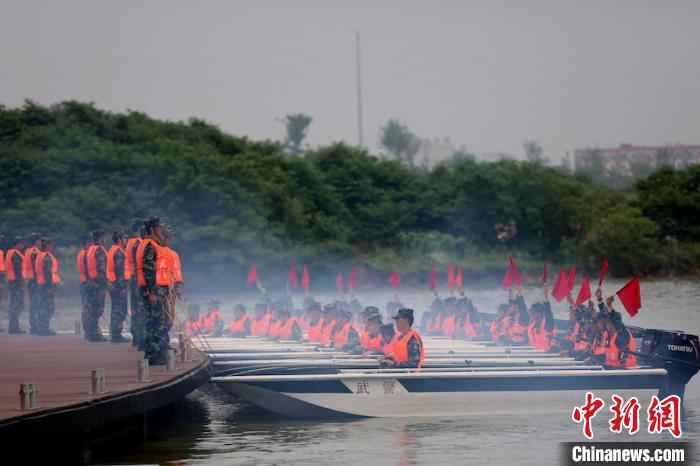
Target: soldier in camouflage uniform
(28,261)
(46,290)
(156,338)
(15,283)
(135,297)
(96,288)
(117,288)
(3,286)
(81,262)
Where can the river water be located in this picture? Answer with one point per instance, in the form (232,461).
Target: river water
(212,428)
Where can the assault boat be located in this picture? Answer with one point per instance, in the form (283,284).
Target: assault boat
(459,378)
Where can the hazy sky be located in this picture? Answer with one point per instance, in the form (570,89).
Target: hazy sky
(487,74)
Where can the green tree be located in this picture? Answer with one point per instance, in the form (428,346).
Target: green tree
(296,126)
(399,141)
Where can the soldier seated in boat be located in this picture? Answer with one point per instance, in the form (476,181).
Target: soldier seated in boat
(373,341)
(408,350)
(516,329)
(345,337)
(388,335)
(261,321)
(240,325)
(288,328)
(314,322)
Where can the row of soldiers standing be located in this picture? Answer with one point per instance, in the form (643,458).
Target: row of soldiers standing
(142,272)
(29,266)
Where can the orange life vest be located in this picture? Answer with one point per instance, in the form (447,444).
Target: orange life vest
(612,353)
(435,324)
(259,327)
(39,267)
(209,320)
(129,266)
(274,330)
(327,333)
(80,264)
(600,344)
(340,338)
(470,330)
(238,326)
(2,261)
(162,275)
(111,273)
(10,271)
(315,333)
(517,332)
(448,326)
(400,348)
(172,266)
(27,263)
(374,344)
(286,330)
(92,260)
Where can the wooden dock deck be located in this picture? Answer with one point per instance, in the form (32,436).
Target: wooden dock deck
(61,368)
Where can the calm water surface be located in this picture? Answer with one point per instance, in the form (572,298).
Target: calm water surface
(212,428)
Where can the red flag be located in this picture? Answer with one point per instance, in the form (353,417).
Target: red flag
(394,279)
(252,275)
(305,279)
(293,275)
(560,286)
(352,280)
(450,275)
(339,282)
(515,273)
(571,282)
(545,273)
(631,296)
(458,278)
(508,279)
(584,294)
(603,272)
(433,278)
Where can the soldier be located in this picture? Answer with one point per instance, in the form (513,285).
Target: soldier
(82,275)
(116,257)
(174,271)
(96,260)
(47,279)
(135,298)
(28,262)
(15,283)
(153,283)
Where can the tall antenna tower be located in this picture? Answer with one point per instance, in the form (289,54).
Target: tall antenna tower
(360,140)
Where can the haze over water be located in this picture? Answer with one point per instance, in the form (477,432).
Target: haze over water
(212,428)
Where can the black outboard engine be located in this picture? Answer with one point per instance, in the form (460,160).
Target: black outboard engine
(677,352)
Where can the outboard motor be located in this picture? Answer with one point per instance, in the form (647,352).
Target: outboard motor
(677,352)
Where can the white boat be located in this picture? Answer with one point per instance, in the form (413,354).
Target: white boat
(458,379)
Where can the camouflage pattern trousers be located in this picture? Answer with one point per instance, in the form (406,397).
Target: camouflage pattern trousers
(96,294)
(34,306)
(137,314)
(16,289)
(84,319)
(156,337)
(46,309)
(117,295)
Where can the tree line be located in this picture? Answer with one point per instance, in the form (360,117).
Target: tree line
(71,167)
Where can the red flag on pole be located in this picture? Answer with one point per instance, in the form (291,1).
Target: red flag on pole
(571,282)
(584,294)
(508,279)
(433,278)
(450,276)
(339,282)
(293,275)
(603,272)
(515,273)
(560,286)
(352,280)
(252,275)
(394,279)
(458,278)
(631,296)
(305,279)
(545,273)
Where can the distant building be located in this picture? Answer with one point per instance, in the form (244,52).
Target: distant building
(495,157)
(631,160)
